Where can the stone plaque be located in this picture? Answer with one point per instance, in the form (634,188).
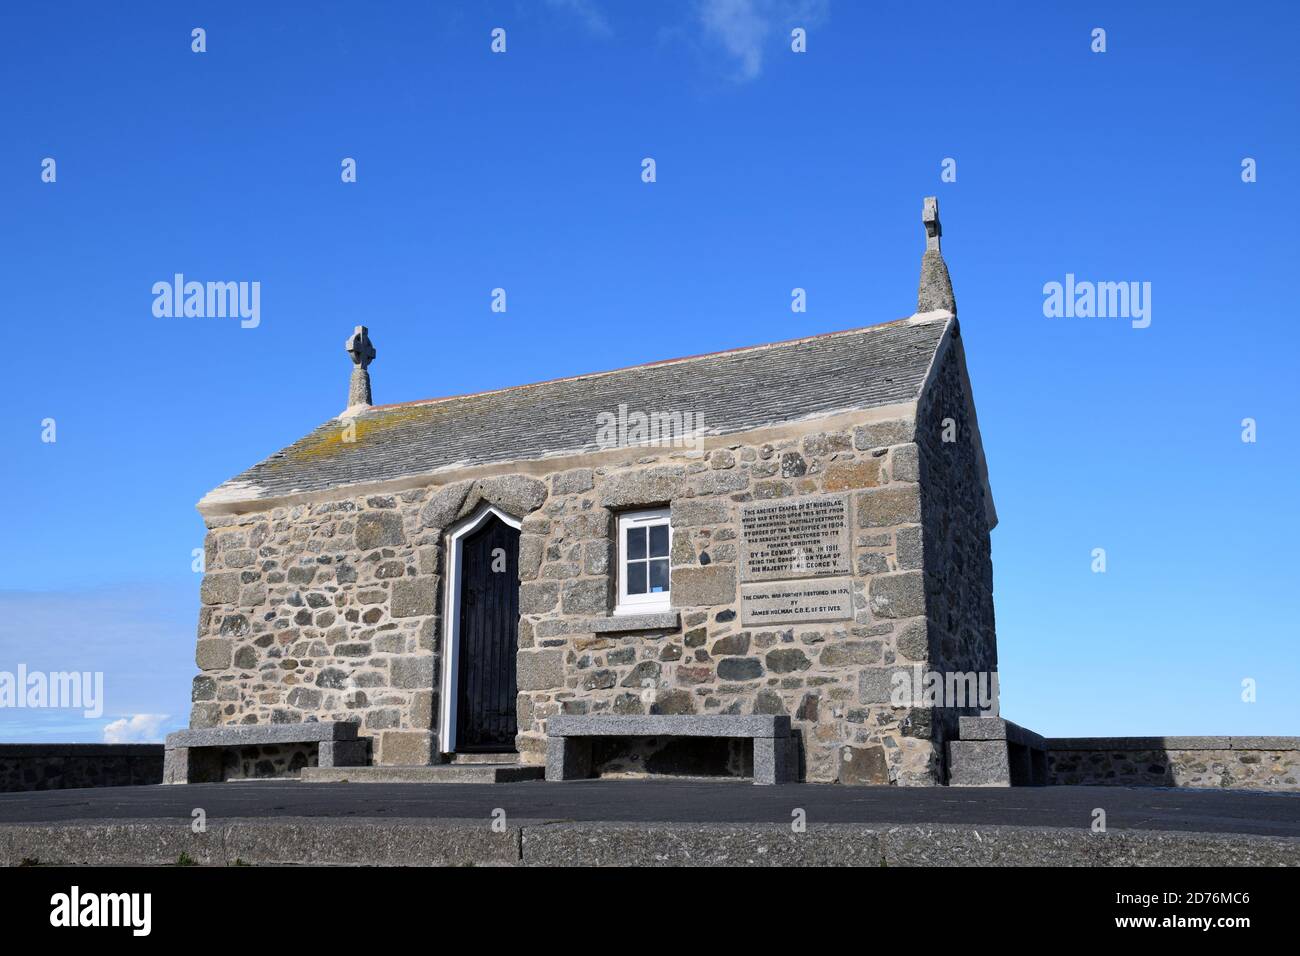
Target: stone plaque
(794,602)
(794,538)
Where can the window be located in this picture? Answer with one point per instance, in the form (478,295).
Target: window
(644,540)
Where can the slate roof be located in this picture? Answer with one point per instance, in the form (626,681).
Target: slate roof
(732,391)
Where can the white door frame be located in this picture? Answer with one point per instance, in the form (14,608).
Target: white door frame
(451,619)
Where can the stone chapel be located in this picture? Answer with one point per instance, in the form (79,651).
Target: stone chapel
(771,530)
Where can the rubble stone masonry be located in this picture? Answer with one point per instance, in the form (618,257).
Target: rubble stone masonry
(954,536)
(333,610)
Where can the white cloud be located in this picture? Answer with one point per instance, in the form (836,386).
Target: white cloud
(742,27)
(137,729)
(586,11)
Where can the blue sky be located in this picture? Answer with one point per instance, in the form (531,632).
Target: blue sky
(775,170)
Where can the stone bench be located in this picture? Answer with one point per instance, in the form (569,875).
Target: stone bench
(197,756)
(569,739)
(992,752)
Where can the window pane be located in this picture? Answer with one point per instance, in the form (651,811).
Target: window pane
(659,541)
(635,543)
(636,577)
(658,575)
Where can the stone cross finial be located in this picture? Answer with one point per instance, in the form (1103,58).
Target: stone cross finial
(359,347)
(935,292)
(930,218)
(363,353)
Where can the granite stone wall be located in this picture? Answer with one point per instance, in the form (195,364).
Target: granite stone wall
(333,610)
(267,760)
(954,545)
(830,678)
(1242,763)
(69,766)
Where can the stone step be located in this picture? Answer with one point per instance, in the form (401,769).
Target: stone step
(444,773)
(510,758)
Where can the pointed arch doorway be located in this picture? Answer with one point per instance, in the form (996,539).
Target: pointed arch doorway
(481,635)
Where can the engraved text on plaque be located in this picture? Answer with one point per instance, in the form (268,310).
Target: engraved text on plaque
(794,538)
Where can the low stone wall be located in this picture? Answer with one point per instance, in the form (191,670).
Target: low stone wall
(69,766)
(1244,763)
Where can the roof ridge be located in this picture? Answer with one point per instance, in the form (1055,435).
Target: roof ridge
(629,368)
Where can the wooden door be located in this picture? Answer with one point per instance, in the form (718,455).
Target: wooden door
(489,627)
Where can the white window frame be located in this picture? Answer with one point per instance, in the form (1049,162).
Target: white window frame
(642,603)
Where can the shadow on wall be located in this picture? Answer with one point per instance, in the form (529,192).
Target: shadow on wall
(672,756)
(1244,763)
(74,766)
(993,752)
